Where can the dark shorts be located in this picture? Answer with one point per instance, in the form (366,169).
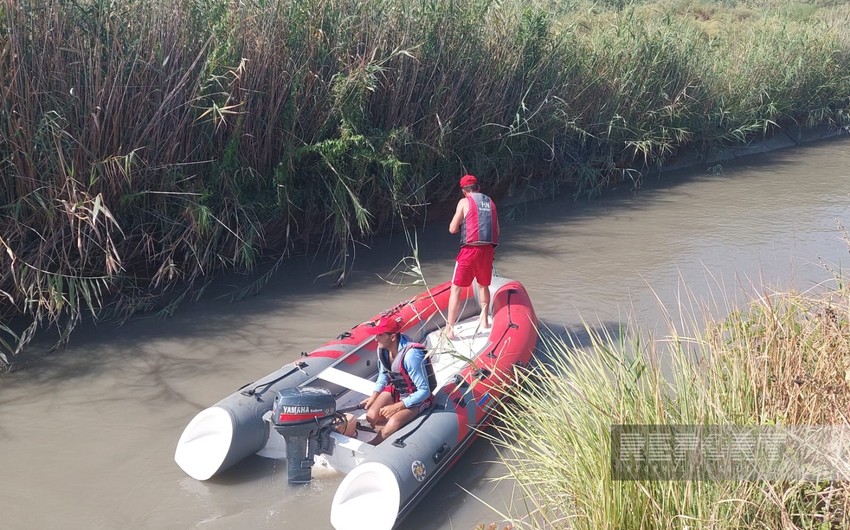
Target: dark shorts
(474,262)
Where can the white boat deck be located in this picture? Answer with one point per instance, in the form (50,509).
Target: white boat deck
(449,357)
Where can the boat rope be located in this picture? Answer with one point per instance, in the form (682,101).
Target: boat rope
(265,386)
(424,296)
(399,442)
(511,325)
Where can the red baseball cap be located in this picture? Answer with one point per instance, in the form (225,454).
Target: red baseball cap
(387,325)
(468,180)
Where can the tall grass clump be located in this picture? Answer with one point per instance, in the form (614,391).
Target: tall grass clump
(778,72)
(146,145)
(661,77)
(782,361)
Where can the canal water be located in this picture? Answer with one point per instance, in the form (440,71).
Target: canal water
(87,435)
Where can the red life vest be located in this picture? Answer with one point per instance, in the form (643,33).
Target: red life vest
(479,223)
(399,378)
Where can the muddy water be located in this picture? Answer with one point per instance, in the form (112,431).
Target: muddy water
(87,436)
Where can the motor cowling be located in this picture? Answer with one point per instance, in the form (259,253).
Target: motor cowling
(304,416)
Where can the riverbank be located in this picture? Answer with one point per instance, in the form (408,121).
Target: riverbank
(709,161)
(214,136)
(784,138)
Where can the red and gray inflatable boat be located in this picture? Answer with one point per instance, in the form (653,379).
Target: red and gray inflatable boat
(292,413)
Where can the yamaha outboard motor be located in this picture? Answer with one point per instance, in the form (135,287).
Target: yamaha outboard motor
(304,417)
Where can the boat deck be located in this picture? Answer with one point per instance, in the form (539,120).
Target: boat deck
(449,357)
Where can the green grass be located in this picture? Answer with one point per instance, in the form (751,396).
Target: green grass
(783,360)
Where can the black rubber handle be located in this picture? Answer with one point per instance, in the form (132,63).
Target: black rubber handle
(441,453)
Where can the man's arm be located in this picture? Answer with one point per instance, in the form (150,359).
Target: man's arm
(460,212)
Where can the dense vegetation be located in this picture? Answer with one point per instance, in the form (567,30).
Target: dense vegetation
(781,362)
(146,145)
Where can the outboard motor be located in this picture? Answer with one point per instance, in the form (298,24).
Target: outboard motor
(304,417)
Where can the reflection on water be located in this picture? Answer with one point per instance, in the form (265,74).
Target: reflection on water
(87,437)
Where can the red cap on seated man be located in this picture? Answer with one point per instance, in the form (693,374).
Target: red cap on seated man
(387,325)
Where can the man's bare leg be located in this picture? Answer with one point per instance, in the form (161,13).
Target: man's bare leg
(373,413)
(396,422)
(451,318)
(484,301)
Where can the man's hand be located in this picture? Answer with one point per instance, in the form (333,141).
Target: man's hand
(366,403)
(389,410)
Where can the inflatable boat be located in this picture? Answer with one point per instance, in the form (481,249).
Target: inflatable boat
(294,413)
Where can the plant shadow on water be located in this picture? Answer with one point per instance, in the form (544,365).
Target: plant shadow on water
(578,337)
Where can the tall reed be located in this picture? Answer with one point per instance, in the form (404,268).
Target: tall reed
(147,144)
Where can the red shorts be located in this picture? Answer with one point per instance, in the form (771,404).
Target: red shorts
(474,261)
(425,405)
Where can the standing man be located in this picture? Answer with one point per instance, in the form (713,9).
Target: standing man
(476,220)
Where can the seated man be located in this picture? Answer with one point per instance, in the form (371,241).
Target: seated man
(405,381)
